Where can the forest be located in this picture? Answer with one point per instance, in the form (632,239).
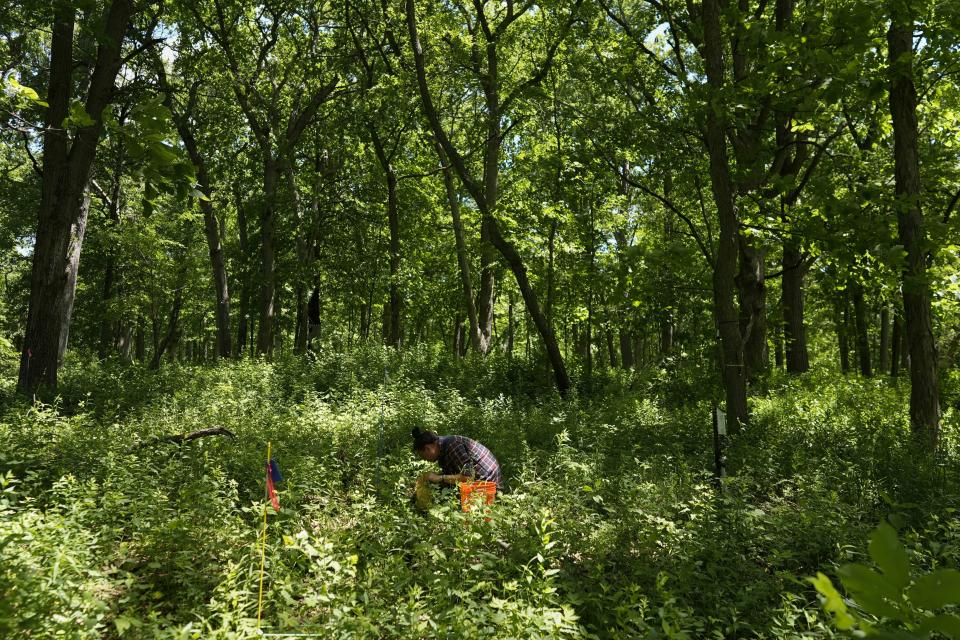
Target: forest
(688,269)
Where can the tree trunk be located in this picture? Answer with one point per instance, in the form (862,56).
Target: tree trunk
(904,348)
(364,321)
(896,345)
(863,339)
(842,321)
(64,206)
(485,302)
(271,175)
(778,348)
(385,322)
(308,232)
(924,390)
(884,347)
(244,275)
(611,349)
(724,268)
(218,265)
(591,251)
(314,317)
(753,318)
(458,335)
(277,322)
(141,350)
(485,194)
(243,322)
(173,329)
(480,334)
(108,325)
(125,343)
(74,246)
(551,247)
(393,221)
(211,227)
(667,311)
(666,334)
(533,307)
(526,340)
(794,329)
(396,301)
(511,325)
(155,329)
(300,322)
(626,348)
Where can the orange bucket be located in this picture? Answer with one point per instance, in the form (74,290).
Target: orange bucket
(480,491)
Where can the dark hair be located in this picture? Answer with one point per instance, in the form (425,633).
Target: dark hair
(422,438)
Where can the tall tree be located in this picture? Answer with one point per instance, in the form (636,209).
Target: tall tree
(486,35)
(918,323)
(182,117)
(724,272)
(64,204)
(279,98)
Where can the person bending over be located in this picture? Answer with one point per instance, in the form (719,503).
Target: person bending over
(461,459)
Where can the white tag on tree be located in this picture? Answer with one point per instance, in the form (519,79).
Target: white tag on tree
(721,423)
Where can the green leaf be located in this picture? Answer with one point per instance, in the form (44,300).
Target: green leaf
(162,154)
(871,591)
(22,90)
(832,602)
(123,624)
(936,589)
(78,116)
(874,604)
(948,625)
(890,556)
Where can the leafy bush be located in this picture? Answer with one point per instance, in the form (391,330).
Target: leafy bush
(612,526)
(897,601)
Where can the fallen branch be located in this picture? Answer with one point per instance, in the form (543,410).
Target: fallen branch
(180,438)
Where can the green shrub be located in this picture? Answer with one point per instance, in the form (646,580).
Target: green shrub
(613,526)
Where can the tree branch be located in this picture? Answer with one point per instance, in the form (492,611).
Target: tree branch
(638,41)
(808,173)
(669,204)
(33,160)
(180,438)
(430,110)
(951,207)
(544,67)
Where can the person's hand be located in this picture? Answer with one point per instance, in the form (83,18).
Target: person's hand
(434,477)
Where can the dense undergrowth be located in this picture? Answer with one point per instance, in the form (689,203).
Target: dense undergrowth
(612,527)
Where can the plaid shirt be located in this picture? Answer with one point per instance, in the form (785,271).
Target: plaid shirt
(458,452)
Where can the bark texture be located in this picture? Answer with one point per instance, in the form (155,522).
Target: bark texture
(725,262)
(918,324)
(794,328)
(64,204)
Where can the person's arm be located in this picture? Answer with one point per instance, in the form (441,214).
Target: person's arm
(449,478)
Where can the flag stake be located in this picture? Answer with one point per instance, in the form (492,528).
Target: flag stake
(263,548)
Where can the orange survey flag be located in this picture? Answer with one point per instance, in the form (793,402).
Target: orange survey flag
(273,475)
